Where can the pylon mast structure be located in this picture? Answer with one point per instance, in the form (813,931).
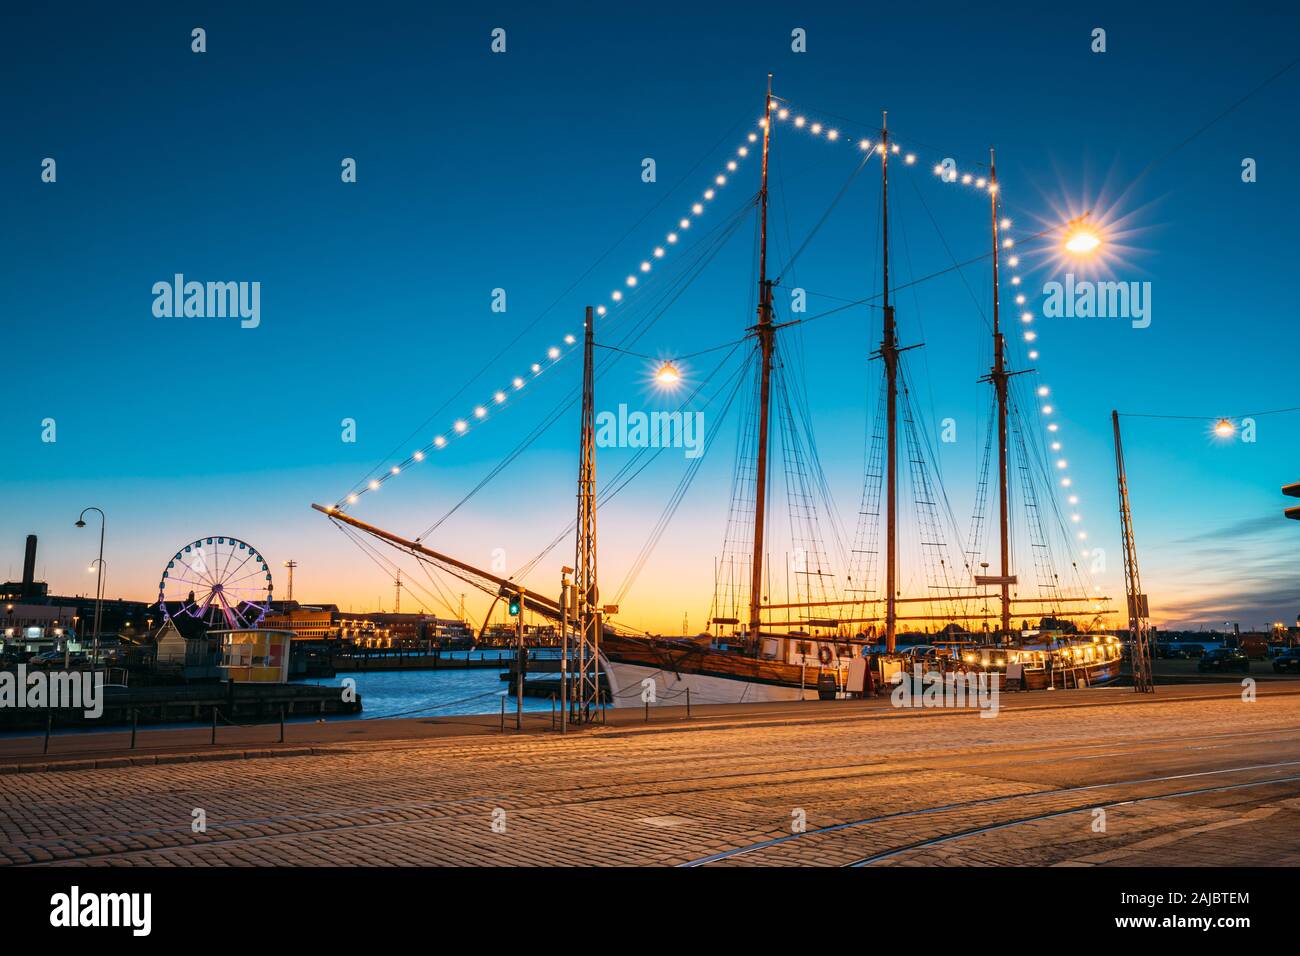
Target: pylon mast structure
(397,600)
(766,343)
(889,353)
(1139,626)
(587,617)
(290,565)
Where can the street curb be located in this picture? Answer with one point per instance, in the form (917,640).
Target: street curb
(108,763)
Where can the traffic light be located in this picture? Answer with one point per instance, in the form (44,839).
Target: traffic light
(514,605)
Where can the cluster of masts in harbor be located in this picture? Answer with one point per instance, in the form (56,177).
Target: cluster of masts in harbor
(751,614)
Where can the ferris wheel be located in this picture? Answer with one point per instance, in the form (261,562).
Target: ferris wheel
(221,581)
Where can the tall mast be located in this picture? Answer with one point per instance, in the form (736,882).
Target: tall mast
(1138,623)
(765,345)
(586,594)
(889,352)
(999,377)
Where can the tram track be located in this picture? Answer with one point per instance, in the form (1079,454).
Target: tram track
(967,805)
(648,776)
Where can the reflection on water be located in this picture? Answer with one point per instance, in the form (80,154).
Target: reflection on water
(431,693)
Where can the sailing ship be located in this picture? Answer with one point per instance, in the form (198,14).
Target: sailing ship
(824,637)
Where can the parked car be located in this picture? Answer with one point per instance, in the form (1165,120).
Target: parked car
(1288,660)
(47,659)
(1224,659)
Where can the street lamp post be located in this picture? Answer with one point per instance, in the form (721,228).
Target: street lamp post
(99,576)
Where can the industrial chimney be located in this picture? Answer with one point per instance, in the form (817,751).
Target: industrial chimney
(29,567)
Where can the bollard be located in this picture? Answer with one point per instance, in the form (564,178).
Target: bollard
(282,723)
(503,713)
(49,724)
(134,721)
(647,710)
(688,702)
(214,724)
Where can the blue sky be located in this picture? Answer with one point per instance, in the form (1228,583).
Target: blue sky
(521,171)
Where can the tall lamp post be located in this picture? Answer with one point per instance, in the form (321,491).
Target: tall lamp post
(99,576)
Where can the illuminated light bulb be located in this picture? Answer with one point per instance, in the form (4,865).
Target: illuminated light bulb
(460,426)
(708,194)
(518,382)
(1015,280)
(1047,409)
(1013,261)
(1062,463)
(1073,499)
(374,484)
(645,267)
(966,179)
(763,123)
(672,237)
(553,352)
(993,187)
(1084,552)
(668,375)
(600,310)
(1076,518)
(631,281)
(1027,317)
(697,209)
(1033,354)
(480,412)
(659,252)
(782,114)
(832,134)
(1008,243)
(1006,223)
(439,441)
(1083,536)
(910,158)
(1224,428)
(721,180)
(799,121)
(418,456)
(684,224)
(1020,299)
(352,499)
(1053,427)
(395,470)
(815,128)
(753,137)
(938,169)
(1030,336)
(864,145)
(731,166)
(743,151)
(616,295)
(979,183)
(569,340)
(1043,390)
(1065,482)
(499,397)
(536,368)
(1056,446)
(1082,242)
(894,148)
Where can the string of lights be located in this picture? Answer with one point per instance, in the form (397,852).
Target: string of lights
(1082,242)
(555,354)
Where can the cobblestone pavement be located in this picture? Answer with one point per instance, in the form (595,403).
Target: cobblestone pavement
(1199,782)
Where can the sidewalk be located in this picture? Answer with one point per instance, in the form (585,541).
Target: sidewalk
(81,751)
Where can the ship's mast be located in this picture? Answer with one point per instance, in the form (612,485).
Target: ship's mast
(889,353)
(998,376)
(765,345)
